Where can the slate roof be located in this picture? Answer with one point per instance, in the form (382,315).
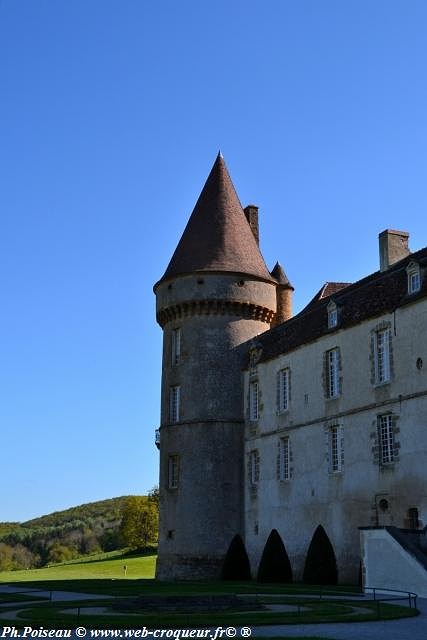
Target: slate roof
(327,290)
(375,295)
(281,277)
(218,236)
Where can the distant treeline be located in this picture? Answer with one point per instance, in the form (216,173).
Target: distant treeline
(84,530)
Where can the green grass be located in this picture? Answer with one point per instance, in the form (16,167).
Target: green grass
(55,614)
(102,576)
(137,567)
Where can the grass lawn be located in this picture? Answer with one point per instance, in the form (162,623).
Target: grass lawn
(59,614)
(137,567)
(106,577)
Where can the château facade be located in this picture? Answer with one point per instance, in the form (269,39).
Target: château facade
(271,421)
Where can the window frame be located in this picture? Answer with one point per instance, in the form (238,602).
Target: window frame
(173,471)
(332,310)
(282,391)
(386,439)
(176,346)
(382,356)
(333,372)
(413,272)
(174,403)
(284,459)
(254,467)
(253,401)
(336,448)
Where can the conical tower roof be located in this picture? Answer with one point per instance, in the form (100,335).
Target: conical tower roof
(281,276)
(218,236)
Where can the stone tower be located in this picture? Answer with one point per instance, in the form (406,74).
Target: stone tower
(215,294)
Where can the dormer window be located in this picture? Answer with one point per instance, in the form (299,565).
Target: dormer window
(332,315)
(255,352)
(414,277)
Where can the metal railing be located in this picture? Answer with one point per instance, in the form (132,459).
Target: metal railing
(380,594)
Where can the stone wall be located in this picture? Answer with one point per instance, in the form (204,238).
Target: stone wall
(363,492)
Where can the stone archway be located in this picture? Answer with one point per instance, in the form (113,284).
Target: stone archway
(275,565)
(320,563)
(236,562)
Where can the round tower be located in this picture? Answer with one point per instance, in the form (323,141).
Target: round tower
(284,295)
(215,294)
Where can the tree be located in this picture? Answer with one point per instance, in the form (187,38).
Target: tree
(23,558)
(60,553)
(139,522)
(154,496)
(6,557)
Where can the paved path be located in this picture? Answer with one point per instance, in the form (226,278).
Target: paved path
(56,595)
(403,629)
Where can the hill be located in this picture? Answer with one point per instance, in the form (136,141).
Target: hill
(107,509)
(63,535)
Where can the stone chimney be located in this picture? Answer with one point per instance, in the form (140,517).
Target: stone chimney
(251,213)
(393,247)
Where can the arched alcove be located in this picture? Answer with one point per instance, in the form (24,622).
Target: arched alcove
(236,562)
(320,563)
(274,565)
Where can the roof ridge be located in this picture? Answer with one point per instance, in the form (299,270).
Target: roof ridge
(369,297)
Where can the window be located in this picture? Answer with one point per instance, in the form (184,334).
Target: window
(414,283)
(173,471)
(253,401)
(386,438)
(336,449)
(382,356)
(282,390)
(332,373)
(332,315)
(414,277)
(284,459)
(254,467)
(174,402)
(176,346)
(413,518)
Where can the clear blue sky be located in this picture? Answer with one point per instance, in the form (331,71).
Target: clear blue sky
(111,115)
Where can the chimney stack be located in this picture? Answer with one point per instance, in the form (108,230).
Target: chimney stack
(393,246)
(251,213)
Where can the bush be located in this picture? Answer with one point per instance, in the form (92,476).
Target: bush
(320,564)
(275,565)
(236,563)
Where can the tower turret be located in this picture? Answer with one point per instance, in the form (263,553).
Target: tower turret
(216,293)
(284,295)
